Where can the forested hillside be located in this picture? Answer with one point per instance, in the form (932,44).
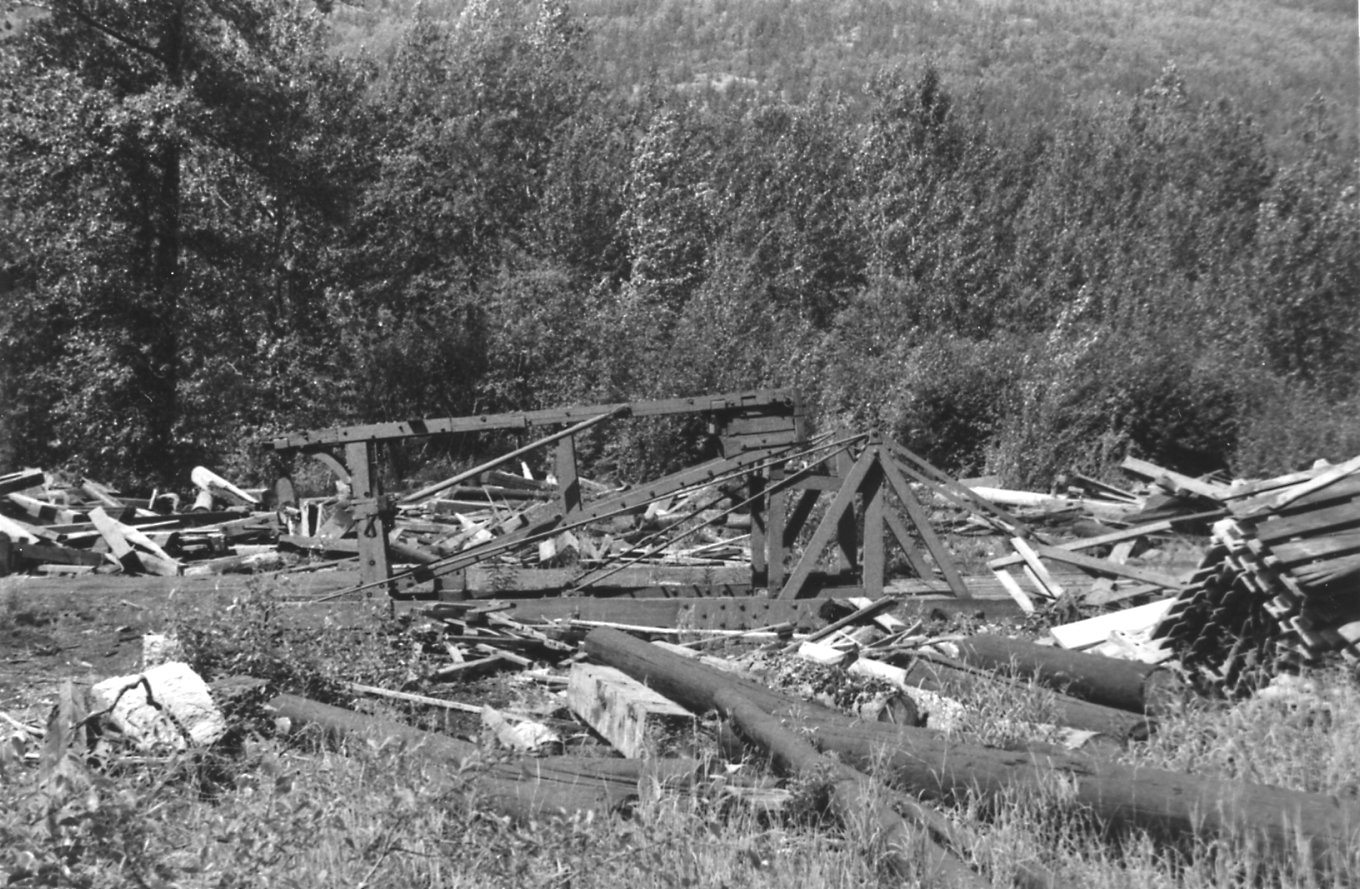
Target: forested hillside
(225,219)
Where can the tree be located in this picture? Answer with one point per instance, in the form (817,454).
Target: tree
(154,158)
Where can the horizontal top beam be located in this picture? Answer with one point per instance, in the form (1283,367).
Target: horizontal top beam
(773,401)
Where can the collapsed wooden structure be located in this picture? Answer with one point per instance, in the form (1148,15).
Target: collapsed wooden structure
(763,454)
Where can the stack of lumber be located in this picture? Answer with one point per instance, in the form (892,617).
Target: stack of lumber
(1281,579)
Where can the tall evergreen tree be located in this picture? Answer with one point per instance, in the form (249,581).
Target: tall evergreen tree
(154,155)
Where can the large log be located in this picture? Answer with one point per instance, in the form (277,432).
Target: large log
(951,681)
(523,789)
(909,848)
(1165,803)
(1128,685)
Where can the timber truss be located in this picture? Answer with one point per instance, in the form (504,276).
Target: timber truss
(765,454)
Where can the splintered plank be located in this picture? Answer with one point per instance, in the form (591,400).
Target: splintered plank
(626,713)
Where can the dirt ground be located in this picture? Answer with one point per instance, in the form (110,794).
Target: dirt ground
(90,628)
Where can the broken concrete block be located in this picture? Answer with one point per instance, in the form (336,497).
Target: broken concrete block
(179,711)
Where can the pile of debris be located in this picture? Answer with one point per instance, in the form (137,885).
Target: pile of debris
(52,528)
(891,754)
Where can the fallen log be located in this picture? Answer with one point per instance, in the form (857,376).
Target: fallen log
(909,848)
(951,680)
(523,789)
(1164,803)
(1127,685)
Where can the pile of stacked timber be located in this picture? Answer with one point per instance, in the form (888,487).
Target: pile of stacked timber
(1280,581)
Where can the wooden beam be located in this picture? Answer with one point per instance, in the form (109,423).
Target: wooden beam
(775,515)
(1175,481)
(874,565)
(757,510)
(952,489)
(902,535)
(375,561)
(1047,585)
(847,528)
(829,526)
(780,402)
(568,479)
(944,560)
(1106,567)
(430,490)
(629,715)
(21,480)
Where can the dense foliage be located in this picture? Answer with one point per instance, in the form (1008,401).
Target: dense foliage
(216,226)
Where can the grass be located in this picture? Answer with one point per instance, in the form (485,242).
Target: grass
(265,810)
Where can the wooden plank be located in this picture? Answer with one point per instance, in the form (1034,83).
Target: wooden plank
(207,480)
(1262,486)
(1175,480)
(1334,474)
(1017,593)
(100,493)
(45,512)
(1342,543)
(568,477)
(1106,567)
(21,480)
(865,612)
(18,531)
(1341,489)
(55,554)
(1094,630)
(630,716)
(1315,522)
(802,510)
(134,550)
(1124,534)
(1047,585)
